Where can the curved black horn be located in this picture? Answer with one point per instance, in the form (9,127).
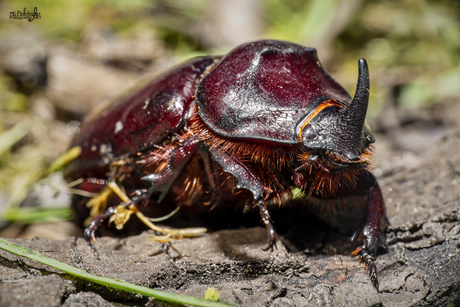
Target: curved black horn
(358,107)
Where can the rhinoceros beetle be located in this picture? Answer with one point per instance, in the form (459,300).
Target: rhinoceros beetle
(247,128)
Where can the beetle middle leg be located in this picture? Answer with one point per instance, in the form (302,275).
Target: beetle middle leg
(247,180)
(271,230)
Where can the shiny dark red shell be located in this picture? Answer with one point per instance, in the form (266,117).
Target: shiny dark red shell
(263,90)
(140,119)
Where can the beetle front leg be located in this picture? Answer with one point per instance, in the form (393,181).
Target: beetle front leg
(371,231)
(247,180)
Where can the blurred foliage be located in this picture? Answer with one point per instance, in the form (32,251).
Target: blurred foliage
(300,21)
(413,44)
(36,215)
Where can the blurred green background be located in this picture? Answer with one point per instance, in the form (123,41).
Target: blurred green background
(55,69)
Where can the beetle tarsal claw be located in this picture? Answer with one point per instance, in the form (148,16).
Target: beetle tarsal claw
(369,263)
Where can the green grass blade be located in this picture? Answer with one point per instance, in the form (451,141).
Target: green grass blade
(114,283)
(12,136)
(31,215)
(68,156)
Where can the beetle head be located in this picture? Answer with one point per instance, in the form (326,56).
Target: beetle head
(340,130)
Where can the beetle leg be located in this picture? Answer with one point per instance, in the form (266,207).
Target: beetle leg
(177,161)
(210,176)
(247,180)
(370,231)
(271,230)
(120,215)
(90,231)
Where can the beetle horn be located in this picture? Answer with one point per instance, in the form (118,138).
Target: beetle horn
(354,116)
(358,107)
(342,130)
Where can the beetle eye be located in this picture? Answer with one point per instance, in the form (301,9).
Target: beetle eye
(308,133)
(369,137)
